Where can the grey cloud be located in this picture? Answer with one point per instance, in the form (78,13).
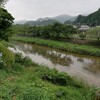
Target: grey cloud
(33,9)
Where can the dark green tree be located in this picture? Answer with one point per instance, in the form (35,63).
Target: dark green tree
(68,29)
(57,30)
(6,21)
(46,31)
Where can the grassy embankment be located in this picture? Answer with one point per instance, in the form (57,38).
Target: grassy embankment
(81,49)
(25,80)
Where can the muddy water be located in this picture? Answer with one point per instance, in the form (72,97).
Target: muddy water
(83,67)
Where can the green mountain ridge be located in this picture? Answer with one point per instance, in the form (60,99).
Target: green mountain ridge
(48,20)
(41,23)
(51,20)
(92,19)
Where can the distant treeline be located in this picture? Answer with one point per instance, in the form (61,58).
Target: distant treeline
(52,31)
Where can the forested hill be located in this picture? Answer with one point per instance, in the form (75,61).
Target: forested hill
(92,20)
(44,22)
(48,20)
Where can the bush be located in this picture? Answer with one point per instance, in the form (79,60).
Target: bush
(18,58)
(23,60)
(8,58)
(27,61)
(82,36)
(53,76)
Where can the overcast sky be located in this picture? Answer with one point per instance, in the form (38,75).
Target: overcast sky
(34,9)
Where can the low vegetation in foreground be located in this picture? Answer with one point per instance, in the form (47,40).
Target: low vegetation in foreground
(25,80)
(76,48)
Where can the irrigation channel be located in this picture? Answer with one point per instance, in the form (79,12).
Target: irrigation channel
(83,67)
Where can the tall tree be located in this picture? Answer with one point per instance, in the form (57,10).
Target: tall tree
(6,20)
(57,29)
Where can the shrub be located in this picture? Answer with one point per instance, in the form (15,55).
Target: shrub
(27,61)
(18,58)
(62,79)
(82,36)
(8,58)
(23,60)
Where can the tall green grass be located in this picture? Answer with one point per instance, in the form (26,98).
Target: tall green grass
(81,49)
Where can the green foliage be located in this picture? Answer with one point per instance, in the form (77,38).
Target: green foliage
(53,76)
(27,61)
(61,93)
(45,31)
(41,83)
(17,67)
(18,58)
(35,94)
(69,30)
(94,33)
(29,86)
(91,20)
(41,23)
(82,36)
(5,43)
(23,60)
(57,29)
(1,61)
(7,56)
(6,21)
(53,31)
(79,19)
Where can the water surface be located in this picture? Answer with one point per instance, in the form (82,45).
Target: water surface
(83,67)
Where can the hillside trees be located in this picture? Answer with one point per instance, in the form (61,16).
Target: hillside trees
(91,20)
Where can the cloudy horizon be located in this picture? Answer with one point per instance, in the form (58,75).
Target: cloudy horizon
(34,9)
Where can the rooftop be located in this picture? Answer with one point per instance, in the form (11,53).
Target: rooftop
(84,28)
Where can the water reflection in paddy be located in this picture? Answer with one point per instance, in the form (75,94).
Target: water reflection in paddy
(84,67)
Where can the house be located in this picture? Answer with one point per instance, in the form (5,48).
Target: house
(84,28)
